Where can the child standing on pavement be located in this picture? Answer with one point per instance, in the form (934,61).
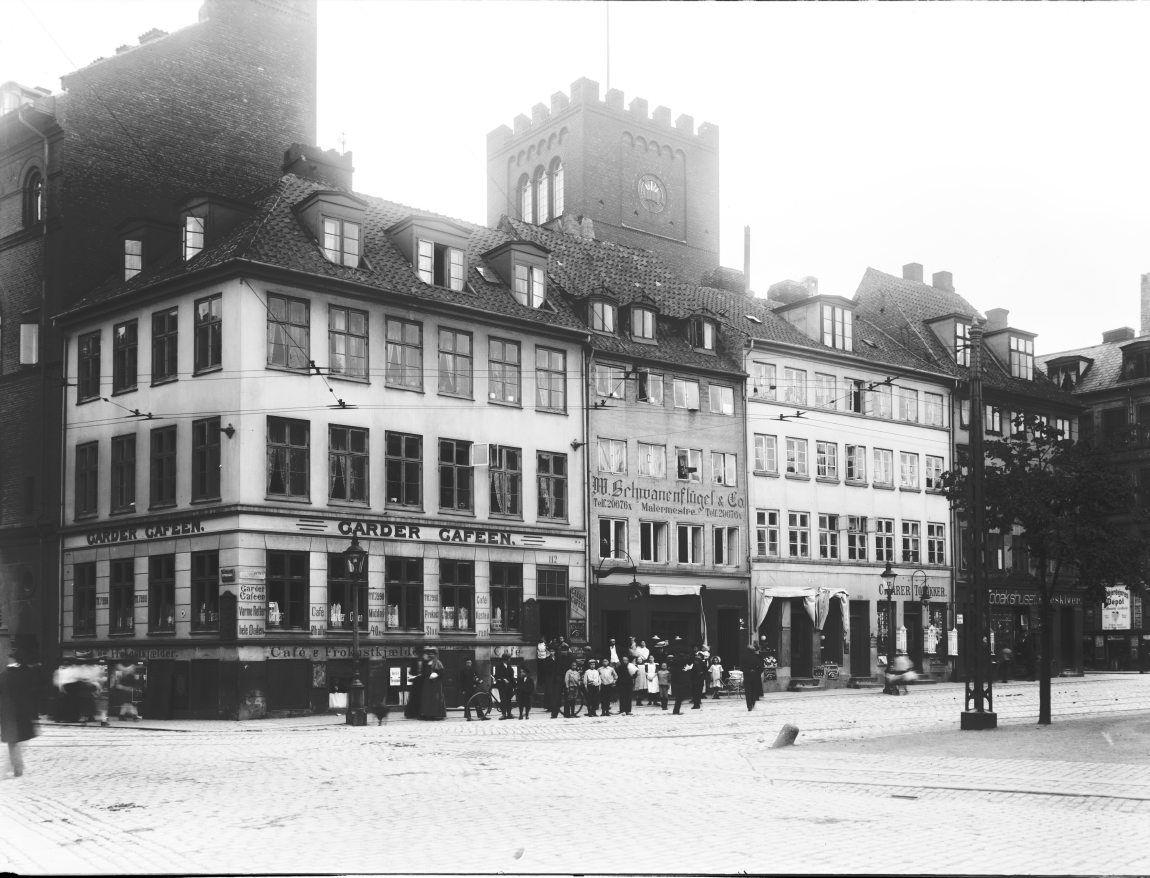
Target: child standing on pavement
(715,677)
(524,690)
(591,682)
(571,690)
(664,677)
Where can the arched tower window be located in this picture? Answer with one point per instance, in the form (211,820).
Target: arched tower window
(542,196)
(556,177)
(526,199)
(33,199)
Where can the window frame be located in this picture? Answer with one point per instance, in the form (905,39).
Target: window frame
(163,466)
(908,471)
(911,542)
(643,319)
(767,534)
(341,254)
(123,473)
(728,473)
(161,594)
(855,459)
(653,541)
(724,545)
(766,453)
(798,464)
(764,387)
(165,345)
(825,391)
(647,452)
(613,536)
(550,380)
(857,538)
(207,334)
(961,343)
(505,589)
(457,593)
(603,316)
(936,543)
(501,370)
(1021,357)
(826,460)
(122,596)
(726,399)
(125,356)
(551,486)
(355,464)
(293,580)
(884,549)
(86,496)
(133,258)
(908,405)
(88,366)
(348,337)
(500,460)
(837,324)
(407,373)
(794,386)
(205,588)
(340,585)
(206,459)
(450,358)
(886,455)
(458,448)
(933,467)
(296,341)
(529,285)
(292,453)
(696,550)
(799,535)
(404,580)
(403,470)
(828,536)
(192,236)
(611,455)
(693,455)
(645,382)
(933,409)
(685,384)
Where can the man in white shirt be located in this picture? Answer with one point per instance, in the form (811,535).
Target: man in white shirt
(591,686)
(608,676)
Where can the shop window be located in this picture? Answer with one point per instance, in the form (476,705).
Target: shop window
(289,333)
(165,345)
(455,363)
(87,478)
(122,596)
(84,599)
(456,595)
(162,594)
(504,380)
(124,473)
(206,459)
(124,356)
(206,591)
(288,588)
(403,579)
(163,467)
(456,475)
(207,343)
(506,486)
(551,468)
(404,469)
(347,342)
(506,596)
(289,456)
(347,460)
(550,380)
(346,597)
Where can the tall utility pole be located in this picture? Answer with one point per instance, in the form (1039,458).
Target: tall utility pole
(979,711)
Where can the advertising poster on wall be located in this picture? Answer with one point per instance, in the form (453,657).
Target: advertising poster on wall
(1116,608)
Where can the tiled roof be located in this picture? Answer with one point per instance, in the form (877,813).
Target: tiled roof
(902,309)
(1105,373)
(275,236)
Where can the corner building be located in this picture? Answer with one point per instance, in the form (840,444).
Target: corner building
(316,365)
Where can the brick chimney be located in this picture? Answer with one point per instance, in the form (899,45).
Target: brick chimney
(1123,333)
(912,271)
(943,280)
(995,318)
(320,165)
(1146,304)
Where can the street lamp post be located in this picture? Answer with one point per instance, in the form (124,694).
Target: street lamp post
(888,576)
(355,562)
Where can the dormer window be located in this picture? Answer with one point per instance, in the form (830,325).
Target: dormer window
(962,343)
(602,316)
(1022,357)
(702,332)
(133,257)
(1065,377)
(193,235)
(642,323)
(341,241)
(530,285)
(838,329)
(439,264)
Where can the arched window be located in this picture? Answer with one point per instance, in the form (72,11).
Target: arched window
(33,199)
(526,200)
(542,197)
(556,176)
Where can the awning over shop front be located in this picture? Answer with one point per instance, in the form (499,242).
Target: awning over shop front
(667,589)
(816,601)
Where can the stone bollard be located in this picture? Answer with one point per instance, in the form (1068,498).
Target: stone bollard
(787,735)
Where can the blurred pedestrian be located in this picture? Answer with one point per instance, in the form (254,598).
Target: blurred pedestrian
(901,672)
(698,679)
(17,709)
(608,677)
(628,672)
(505,684)
(752,668)
(591,684)
(682,682)
(468,686)
(124,691)
(1005,663)
(524,692)
(431,702)
(551,680)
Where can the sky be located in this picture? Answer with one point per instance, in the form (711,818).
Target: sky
(1002,142)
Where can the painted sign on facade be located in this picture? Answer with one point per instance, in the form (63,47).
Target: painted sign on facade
(621,495)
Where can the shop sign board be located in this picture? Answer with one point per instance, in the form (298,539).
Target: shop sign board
(1012,598)
(1116,608)
(680,502)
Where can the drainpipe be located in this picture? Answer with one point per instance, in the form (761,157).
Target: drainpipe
(588,358)
(748,481)
(61,488)
(45,567)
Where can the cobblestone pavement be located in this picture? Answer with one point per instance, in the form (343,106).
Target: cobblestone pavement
(875,785)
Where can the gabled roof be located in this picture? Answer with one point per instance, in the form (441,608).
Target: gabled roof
(1105,372)
(903,309)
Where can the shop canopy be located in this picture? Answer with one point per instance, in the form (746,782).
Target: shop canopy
(816,601)
(676,589)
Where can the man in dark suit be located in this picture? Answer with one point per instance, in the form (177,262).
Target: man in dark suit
(550,678)
(505,685)
(682,674)
(752,667)
(698,679)
(468,686)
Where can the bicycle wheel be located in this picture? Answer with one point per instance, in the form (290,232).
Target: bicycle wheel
(580,703)
(481,703)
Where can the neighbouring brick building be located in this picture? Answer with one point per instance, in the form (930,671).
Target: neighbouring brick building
(1112,381)
(207,108)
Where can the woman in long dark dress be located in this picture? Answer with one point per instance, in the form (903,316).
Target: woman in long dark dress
(431,701)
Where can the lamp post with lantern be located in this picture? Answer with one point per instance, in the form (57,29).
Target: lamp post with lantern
(887,577)
(355,563)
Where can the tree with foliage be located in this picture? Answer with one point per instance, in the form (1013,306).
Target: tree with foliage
(1078,513)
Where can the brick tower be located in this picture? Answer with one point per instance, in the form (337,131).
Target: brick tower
(640,179)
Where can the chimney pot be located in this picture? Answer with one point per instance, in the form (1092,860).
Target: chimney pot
(942,280)
(912,271)
(320,165)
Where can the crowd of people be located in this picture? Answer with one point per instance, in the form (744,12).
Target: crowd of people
(611,684)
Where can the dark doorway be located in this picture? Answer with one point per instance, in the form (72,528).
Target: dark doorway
(860,639)
(1066,623)
(204,688)
(832,635)
(912,620)
(289,684)
(667,625)
(181,701)
(617,624)
(802,634)
(552,619)
(727,640)
(770,632)
(158,695)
